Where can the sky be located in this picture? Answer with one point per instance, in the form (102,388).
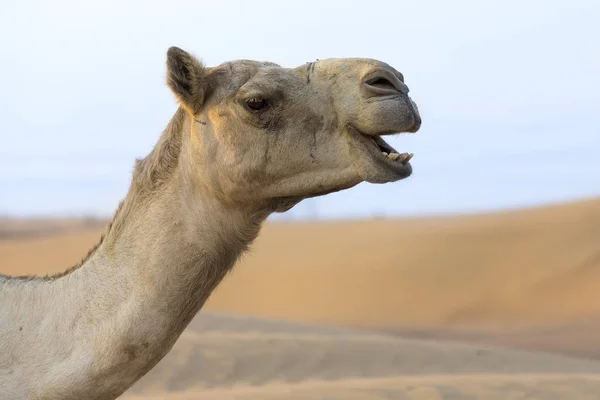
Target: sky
(509,93)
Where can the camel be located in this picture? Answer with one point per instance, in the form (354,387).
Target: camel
(248,139)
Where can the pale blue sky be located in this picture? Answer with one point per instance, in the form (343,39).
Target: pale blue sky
(509,92)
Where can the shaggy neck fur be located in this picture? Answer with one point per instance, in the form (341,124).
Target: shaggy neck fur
(93,331)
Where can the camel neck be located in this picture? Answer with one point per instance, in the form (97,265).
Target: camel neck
(105,324)
(171,256)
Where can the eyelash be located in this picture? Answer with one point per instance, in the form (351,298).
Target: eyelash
(256,104)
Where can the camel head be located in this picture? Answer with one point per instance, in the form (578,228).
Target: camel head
(263,133)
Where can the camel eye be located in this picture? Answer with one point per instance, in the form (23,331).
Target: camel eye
(256,104)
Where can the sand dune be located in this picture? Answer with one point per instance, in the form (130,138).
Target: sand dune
(534,266)
(538,266)
(450,387)
(225,357)
(525,280)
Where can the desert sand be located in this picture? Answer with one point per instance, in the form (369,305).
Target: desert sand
(495,306)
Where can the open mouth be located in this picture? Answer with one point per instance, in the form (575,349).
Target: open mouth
(387,151)
(378,161)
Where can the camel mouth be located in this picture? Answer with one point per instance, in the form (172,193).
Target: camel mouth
(380,149)
(391,164)
(388,151)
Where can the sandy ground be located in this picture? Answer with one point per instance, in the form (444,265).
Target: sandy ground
(425,299)
(224,357)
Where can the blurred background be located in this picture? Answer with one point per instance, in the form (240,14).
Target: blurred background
(494,239)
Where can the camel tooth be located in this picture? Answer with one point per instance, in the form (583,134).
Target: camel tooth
(383,153)
(393,156)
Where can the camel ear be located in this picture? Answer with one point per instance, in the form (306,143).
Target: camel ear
(186,77)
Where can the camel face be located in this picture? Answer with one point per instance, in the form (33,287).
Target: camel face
(371,100)
(269,132)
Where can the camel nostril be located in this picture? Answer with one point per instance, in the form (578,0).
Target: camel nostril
(383,82)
